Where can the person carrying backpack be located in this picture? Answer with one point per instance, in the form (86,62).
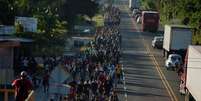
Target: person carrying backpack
(22,86)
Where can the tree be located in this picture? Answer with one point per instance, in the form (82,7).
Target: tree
(149,4)
(71,9)
(7,12)
(53,17)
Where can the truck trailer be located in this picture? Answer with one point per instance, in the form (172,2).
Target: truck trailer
(193,80)
(177,38)
(150,20)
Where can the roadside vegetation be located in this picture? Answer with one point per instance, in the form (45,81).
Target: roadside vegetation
(185,12)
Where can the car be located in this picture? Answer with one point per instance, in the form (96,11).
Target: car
(135,12)
(157,42)
(173,61)
(139,19)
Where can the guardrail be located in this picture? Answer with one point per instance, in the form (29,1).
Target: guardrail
(6,92)
(31,96)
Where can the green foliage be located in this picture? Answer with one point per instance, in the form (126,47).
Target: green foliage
(51,36)
(188,11)
(54,18)
(7,12)
(72,9)
(18,27)
(148,4)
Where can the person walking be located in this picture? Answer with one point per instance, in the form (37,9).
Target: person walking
(72,94)
(114,96)
(46,82)
(22,86)
(118,73)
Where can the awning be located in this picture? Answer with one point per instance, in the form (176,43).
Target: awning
(9,44)
(11,38)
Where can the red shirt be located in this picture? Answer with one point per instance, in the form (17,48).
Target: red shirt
(72,92)
(26,83)
(46,77)
(102,78)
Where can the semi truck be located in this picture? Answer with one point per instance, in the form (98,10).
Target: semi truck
(177,38)
(134,4)
(193,80)
(150,20)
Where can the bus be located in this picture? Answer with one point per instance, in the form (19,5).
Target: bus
(150,21)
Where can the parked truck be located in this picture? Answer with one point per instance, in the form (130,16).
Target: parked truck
(150,20)
(193,80)
(134,4)
(177,38)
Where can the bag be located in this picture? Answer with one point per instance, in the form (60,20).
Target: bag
(22,92)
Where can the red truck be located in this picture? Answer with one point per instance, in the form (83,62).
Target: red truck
(150,20)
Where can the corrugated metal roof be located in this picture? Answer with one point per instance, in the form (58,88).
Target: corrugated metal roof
(11,38)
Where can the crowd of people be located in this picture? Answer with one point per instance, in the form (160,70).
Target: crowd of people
(112,16)
(37,67)
(30,64)
(34,72)
(96,71)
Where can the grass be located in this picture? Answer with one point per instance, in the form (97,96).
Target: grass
(197,39)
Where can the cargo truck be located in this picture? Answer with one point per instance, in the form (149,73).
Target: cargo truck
(150,21)
(177,38)
(134,4)
(193,80)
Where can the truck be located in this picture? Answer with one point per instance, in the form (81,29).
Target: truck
(176,40)
(150,21)
(134,4)
(193,73)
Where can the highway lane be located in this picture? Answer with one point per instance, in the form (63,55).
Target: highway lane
(143,81)
(171,76)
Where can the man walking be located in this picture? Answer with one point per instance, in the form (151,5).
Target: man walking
(22,87)
(46,82)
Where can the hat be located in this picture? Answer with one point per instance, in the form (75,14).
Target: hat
(23,74)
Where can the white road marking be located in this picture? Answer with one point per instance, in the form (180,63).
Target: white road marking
(124,83)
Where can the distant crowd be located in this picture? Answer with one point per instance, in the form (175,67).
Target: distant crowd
(95,72)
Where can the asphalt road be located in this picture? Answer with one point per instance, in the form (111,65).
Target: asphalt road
(146,78)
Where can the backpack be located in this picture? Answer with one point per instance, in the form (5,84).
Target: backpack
(22,92)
